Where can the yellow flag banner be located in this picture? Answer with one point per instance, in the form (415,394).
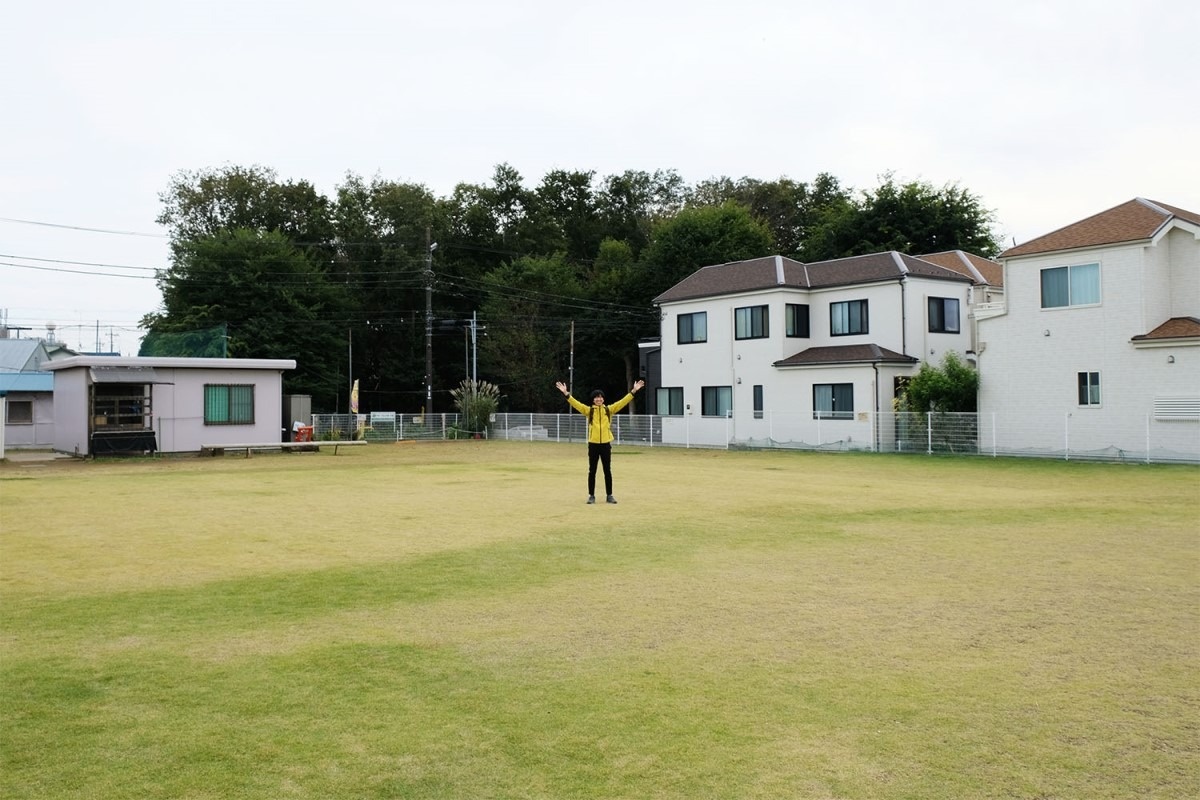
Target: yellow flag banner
(354,398)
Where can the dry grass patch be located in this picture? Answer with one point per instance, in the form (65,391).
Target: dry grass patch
(450,620)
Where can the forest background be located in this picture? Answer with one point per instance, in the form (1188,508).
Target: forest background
(562,274)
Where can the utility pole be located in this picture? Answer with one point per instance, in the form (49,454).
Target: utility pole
(474,350)
(429,324)
(571,368)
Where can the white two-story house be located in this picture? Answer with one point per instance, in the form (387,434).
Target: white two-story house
(774,350)
(1096,348)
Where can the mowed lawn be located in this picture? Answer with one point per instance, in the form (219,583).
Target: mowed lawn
(450,620)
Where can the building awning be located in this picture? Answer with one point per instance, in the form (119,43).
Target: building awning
(125,375)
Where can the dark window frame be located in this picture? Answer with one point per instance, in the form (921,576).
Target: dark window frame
(837,391)
(690,324)
(856,313)
(940,316)
(1088,385)
(794,326)
(711,401)
(674,400)
(751,322)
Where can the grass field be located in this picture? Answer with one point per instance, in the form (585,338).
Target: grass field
(450,620)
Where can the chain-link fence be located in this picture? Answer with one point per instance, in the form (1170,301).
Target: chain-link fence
(1072,437)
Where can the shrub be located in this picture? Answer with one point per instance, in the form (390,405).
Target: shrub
(476,401)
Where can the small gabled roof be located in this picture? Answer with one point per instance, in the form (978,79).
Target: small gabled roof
(1174,328)
(845,354)
(18,355)
(1134,221)
(775,271)
(977,268)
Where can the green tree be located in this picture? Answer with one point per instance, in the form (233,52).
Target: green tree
(213,201)
(699,237)
(528,328)
(629,204)
(952,387)
(273,301)
(912,218)
(381,229)
(568,202)
(789,208)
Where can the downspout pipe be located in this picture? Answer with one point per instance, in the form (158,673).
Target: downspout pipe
(875,434)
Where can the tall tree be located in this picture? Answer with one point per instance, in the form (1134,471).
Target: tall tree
(631,202)
(789,208)
(697,237)
(271,299)
(568,200)
(211,201)
(911,218)
(381,229)
(528,328)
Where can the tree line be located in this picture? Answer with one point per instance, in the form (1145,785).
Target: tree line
(561,273)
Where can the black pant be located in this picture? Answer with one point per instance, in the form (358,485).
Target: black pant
(603,454)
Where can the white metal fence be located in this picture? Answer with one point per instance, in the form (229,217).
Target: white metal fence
(1071,436)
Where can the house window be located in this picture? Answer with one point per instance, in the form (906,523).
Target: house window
(120,405)
(848,317)
(796,320)
(758,401)
(943,315)
(833,401)
(750,322)
(1077,285)
(1089,388)
(669,400)
(20,412)
(228,404)
(693,327)
(716,401)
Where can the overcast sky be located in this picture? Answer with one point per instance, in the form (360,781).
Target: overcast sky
(1048,110)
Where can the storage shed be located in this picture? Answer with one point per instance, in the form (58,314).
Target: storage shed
(106,405)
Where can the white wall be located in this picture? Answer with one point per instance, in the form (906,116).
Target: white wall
(177,400)
(1030,365)
(723,360)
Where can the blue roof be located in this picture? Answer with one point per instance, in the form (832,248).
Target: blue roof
(26,382)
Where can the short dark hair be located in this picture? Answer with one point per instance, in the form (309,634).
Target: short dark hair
(597,393)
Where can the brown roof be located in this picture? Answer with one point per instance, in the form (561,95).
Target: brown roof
(978,268)
(1133,221)
(845,354)
(764,273)
(1174,328)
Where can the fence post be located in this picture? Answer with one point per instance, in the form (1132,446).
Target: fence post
(928,433)
(993,434)
(618,418)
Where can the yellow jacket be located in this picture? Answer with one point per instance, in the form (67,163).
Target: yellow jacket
(599,417)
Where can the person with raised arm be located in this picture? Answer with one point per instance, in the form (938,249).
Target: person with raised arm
(600,434)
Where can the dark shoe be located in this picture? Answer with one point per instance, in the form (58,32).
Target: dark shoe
(612,500)
(591,499)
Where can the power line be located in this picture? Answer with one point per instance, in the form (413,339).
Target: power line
(80,271)
(82,228)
